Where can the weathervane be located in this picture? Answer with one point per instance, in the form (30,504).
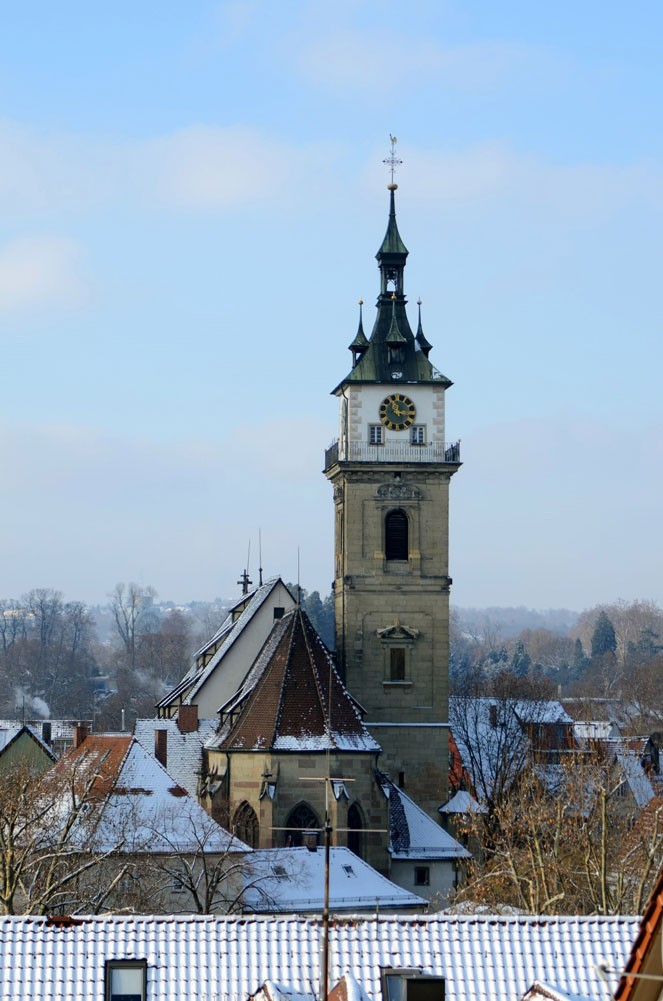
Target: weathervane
(392,160)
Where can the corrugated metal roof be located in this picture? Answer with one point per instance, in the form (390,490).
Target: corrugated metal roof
(227,959)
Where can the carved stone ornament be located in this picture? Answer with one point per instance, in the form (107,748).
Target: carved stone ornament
(398,491)
(397,632)
(338,493)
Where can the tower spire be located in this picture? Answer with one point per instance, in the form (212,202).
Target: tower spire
(360,342)
(423,343)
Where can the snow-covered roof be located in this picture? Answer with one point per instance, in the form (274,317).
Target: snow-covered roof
(140,806)
(544,992)
(229,959)
(462,802)
(184,750)
(11,733)
(292,880)
(230,630)
(634,775)
(7,734)
(595,729)
(413,834)
(491,736)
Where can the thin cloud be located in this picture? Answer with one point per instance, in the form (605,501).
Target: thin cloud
(36,272)
(352,60)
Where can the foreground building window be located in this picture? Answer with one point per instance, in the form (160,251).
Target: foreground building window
(126,980)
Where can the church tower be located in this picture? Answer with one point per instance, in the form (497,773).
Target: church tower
(390,469)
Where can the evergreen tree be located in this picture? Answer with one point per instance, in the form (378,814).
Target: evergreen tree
(603,638)
(521,660)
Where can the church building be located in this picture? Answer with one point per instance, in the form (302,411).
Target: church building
(357,740)
(390,470)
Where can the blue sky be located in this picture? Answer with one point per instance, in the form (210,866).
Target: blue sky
(191,197)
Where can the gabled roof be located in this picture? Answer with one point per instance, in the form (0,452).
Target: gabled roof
(462,802)
(238,618)
(413,834)
(544,992)
(191,957)
(646,948)
(140,806)
(10,734)
(293,698)
(184,750)
(292,880)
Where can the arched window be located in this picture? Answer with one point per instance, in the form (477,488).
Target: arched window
(356,827)
(395,536)
(245,825)
(299,821)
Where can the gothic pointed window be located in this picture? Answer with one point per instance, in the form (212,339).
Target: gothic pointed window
(245,825)
(355,825)
(396,536)
(301,820)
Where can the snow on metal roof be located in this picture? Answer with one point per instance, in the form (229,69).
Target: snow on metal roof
(184,750)
(228,959)
(413,834)
(291,880)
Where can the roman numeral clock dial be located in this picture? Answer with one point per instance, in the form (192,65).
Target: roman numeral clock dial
(397,412)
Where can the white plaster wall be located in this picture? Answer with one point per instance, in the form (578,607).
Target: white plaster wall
(364,409)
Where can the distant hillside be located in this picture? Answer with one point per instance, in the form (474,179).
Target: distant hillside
(512,621)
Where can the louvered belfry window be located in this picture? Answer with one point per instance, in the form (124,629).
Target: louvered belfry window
(396,540)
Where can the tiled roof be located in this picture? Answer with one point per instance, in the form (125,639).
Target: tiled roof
(294,700)
(649,933)
(292,880)
(142,809)
(190,957)
(184,750)
(413,834)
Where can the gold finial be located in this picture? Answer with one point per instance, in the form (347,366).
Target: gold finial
(392,162)
(393,295)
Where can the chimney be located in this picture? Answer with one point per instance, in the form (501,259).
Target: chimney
(46,732)
(187,719)
(80,733)
(492,711)
(161,747)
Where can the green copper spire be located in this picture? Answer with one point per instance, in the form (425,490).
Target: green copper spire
(360,343)
(392,355)
(424,344)
(392,243)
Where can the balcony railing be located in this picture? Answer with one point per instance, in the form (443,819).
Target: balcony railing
(392,451)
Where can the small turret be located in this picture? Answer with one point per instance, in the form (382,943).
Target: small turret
(420,338)
(360,343)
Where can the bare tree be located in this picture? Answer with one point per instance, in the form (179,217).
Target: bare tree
(130,604)
(47,859)
(560,843)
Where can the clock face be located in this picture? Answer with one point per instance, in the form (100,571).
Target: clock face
(397,412)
